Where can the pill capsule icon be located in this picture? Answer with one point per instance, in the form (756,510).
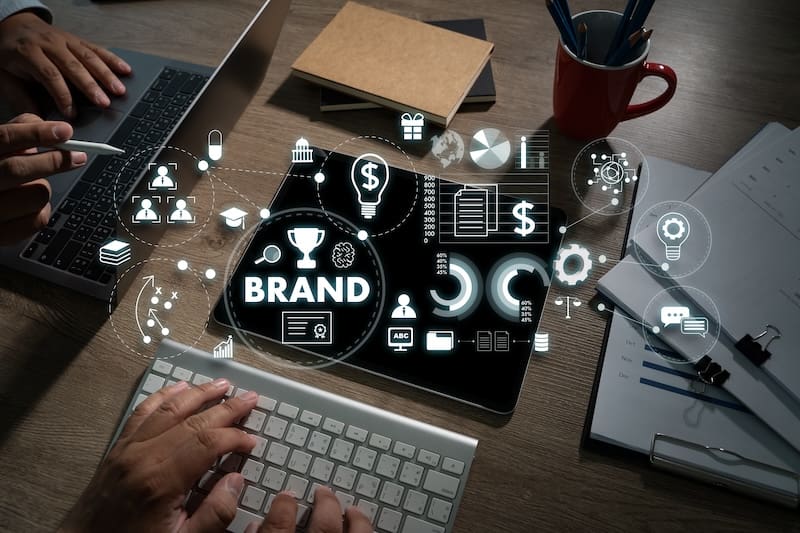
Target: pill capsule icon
(215,145)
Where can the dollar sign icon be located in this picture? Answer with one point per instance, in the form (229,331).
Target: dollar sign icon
(526,223)
(368,171)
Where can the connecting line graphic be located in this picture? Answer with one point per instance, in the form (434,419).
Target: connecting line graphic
(587,216)
(628,261)
(602,308)
(236,192)
(272,173)
(148,280)
(152,314)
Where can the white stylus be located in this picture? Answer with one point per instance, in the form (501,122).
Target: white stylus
(90,147)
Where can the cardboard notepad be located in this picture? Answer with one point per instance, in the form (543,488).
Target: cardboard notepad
(394,61)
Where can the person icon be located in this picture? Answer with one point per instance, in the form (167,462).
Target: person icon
(146,214)
(162,180)
(181,214)
(403,310)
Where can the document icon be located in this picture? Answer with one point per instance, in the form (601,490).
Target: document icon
(440,341)
(484,342)
(471,212)
(307,327)
(502,341)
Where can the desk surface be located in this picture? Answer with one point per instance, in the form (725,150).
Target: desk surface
(65,379)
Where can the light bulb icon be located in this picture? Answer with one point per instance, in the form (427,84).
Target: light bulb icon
(673,230)
(369,176)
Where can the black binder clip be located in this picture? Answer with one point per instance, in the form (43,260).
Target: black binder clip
(751,349)
(711,373)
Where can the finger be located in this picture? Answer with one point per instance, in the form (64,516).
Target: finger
(327,514)
(356,522)
(76,72)
(23,201)
(19,136)
(20,169)
(193,456)
(281,516)
(218,508)
(171,412)
(97,67)
(25,118)
(46,72)
(19,229)
(149,406)
(109,58)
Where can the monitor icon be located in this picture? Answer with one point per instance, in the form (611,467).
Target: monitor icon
(400,339)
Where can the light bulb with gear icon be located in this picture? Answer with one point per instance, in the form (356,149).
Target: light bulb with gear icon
(673,230)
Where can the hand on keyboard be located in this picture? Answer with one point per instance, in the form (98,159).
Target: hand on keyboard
(326,518)
(165,447)
(24,194)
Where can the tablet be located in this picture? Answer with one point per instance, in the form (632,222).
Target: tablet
(420,279)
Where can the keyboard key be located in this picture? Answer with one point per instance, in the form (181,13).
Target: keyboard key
(30,250)
(321,469)
(345,500)
(252,470)
(415,525)
(162,367)
(150,96)
(265,403)
(167,73)
(277,454)
(356,433)
(275,427)
(342,450)
(139,399)
(176,83)
(242,520)
(78,190)
(310,418)
(303,514)
(428,458)
(67,255)
(319,443)
(333,426)
(253,498)
(182,374)
(153,383)
(441,484)
(379,441)
(255,421)
(300,461)
(140,109)
(411,474)
(260,447)
(288,410)
(45,236)
(404,450)
(274,478)
(365,458)
(389,520)
(367,485)
(369,509)
(200,379)
(84,232)
(415,502)
(297,485)
(387,466)
(297,435)
(344,477)
(79,266)
(312,491)
(67,206)
(391,494)
(453,466)
(56,245)
(440,510)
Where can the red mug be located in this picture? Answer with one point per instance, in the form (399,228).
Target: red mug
(590,98)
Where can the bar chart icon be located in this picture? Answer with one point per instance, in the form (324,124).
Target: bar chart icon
(224,350)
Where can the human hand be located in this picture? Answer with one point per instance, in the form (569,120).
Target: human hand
(325,518)
(30,48)
(24,193)
(165,447)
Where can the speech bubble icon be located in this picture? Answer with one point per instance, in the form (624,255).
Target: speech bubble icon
(673,314)
(694,325)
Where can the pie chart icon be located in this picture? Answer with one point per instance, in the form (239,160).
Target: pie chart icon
(489,148)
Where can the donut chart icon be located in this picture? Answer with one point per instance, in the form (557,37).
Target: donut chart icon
(489,148)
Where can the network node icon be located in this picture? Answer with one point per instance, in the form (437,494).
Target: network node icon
(612,172)
(302,152)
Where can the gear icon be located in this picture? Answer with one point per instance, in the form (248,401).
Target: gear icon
(668,224)
(564,255)
(320,331)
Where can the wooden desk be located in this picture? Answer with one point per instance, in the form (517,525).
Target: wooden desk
(65,378)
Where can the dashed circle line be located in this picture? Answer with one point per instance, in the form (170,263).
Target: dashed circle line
(236,192)
(414,171)
(345,352)
(125,226)
(111,309)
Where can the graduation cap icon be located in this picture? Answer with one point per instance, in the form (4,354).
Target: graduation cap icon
(234,217)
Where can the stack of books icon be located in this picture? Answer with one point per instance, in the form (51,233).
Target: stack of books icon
(115,252)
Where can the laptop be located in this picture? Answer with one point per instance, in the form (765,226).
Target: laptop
(94,229)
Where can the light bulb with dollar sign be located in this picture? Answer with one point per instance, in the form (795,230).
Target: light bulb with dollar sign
(526,223)
(369,176)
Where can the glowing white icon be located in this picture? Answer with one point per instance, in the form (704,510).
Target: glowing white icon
(306,240)
(568,300)
(302,152)
(369,176)
(541,342)
(673,230)
(412,126)
(234,217)
(215,145)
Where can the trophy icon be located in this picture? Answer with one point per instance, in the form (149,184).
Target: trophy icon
(306,240)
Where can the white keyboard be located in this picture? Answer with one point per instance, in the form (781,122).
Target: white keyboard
(405,475)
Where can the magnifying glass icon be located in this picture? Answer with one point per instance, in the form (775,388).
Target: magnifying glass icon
(271,254)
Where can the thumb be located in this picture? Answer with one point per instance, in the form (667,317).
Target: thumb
(219,507)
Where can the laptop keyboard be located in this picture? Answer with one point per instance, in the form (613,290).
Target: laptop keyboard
(87,218)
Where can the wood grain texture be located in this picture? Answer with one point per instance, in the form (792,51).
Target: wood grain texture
(65,378)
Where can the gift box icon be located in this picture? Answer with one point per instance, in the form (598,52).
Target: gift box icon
(412,126)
